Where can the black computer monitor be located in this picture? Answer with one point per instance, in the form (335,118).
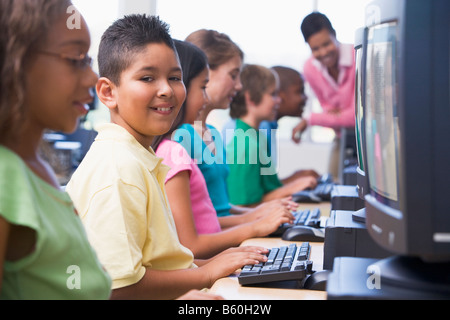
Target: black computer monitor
(407,137)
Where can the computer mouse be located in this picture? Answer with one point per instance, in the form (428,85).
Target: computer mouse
(317,281)
(304,233)
(305,197)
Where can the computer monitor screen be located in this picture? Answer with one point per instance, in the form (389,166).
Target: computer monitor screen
(359,112)
(360,58)
(381,118)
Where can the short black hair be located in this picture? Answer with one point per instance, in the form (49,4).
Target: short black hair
(127,37)
(316,22)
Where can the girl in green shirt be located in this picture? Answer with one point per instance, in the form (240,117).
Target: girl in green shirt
(45,81)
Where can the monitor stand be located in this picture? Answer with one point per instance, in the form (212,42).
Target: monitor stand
(395,277)
(413,273)
(410,277)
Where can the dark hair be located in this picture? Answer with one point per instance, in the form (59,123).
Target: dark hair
(316,22)
(23,27)
(286,76)
(193,62)
(256,80)
(127,37)
(218,47)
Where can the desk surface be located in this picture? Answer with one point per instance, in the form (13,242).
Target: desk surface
(230,289)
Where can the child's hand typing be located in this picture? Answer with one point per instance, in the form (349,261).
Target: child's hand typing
(231,260)
(270,223)
(267,208)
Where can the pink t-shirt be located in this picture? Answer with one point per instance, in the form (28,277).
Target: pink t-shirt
(177,158)
(333,95)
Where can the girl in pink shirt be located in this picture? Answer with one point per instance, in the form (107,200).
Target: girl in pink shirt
(178,159)
(196,220)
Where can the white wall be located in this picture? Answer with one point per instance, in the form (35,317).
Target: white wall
(306,155)
(137,6)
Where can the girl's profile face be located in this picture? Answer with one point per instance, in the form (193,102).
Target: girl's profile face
(224,83)
(197,97)
(59,78)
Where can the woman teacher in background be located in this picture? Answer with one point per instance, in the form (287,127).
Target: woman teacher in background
(330,72)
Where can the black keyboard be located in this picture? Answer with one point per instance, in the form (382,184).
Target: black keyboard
(324,186)
(323,191)
(283,264)
(309,218)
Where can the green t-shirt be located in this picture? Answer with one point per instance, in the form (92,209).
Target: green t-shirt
(252,173)
(63,265)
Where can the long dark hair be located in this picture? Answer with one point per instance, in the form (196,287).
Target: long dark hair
(193,62)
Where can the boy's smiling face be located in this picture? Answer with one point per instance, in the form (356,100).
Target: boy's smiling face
(150,93)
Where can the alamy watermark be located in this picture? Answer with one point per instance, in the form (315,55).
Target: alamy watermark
(74,20)
(374,280)
(249,147)
(74,280)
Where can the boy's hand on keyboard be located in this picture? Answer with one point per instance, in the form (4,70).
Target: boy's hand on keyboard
(256,249)
(267,208)
(303,183)
(229,261)
(289,204)
(270,223)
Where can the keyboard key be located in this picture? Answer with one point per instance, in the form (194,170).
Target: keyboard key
(300,266)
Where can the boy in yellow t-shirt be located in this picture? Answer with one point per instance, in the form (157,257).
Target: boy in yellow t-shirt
(119,187)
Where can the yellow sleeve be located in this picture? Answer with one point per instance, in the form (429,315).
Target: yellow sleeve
(116,224)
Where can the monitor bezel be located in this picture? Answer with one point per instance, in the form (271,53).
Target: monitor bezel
(362,183)
(408,230)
